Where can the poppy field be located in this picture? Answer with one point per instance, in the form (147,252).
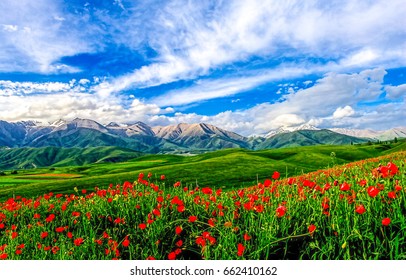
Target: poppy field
(351,211)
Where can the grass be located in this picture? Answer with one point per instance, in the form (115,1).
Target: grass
(228,168)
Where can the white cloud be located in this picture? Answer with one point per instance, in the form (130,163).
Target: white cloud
(343,112)
(10,28)
(394,92)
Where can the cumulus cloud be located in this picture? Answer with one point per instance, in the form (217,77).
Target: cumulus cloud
(343,112)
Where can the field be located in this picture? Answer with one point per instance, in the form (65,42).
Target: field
(351,211)
(233,168)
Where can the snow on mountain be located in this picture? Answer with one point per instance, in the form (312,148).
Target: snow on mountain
(290,129)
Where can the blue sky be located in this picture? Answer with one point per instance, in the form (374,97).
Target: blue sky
(246,66)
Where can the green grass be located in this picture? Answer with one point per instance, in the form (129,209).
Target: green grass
(228,168)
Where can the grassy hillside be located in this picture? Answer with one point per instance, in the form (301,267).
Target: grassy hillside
(27,158)
(226,168)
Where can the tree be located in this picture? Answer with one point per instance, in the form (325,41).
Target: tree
(395,140)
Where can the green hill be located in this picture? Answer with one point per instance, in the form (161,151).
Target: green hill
(226,168)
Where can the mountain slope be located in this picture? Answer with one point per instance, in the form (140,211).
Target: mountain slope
(27,158)
(307,138)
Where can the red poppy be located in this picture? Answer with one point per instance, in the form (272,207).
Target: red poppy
(372,191)
(386,221)
(240,249)
(178,230)
(78,241)
(247,237)
(150,258)
(291,181)
(267,182)
(126,242)
(360,209)
(172,256)
(142,226)
(311,228)
(192,219)
(392,195)
(69,234)
(179,243)
(50,218)
(276,175)
(344,187)
(14,235)
(200,241)
(75,214)
(84,191)
(162,177)
(44,234)
(3,256)
(19,252)
(280,211)
(2,226)
(156,212)
(60,229)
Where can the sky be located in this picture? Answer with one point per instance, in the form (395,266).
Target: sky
(245,66)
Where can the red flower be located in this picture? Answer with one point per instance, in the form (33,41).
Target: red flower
(3,256)
(392,195)
(142,226)
(84,191)
(150,258)
(44,234)
(2,226)
(247,237)
(276,175)
(60,229)
(178,230)
(172,256)
(156,212)
(344,187)
(192,219)
(177,184)
(69,234)
(291,181)
(280,211)
(162,177)
(372,191)
(78,241)
(14,235)
(19,252)
(179,243)
(75,214)
(386,221)
(240,249)
(311,228)
(50,218)
(360,209)
(267,182)
(126,242)
(181,208)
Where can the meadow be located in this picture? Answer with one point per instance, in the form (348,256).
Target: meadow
(348,211)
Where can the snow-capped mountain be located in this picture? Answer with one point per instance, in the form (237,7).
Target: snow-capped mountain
(290,129)
(390,134)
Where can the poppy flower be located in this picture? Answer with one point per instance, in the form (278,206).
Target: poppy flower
(172,256)
(192,219)
(372,191)
(392,195)
(280,211)
(3,256)
(162,177)
(14,235)
(178,230)
(267,182)
(69,234)
(156,212)
(179,243)
(360,209)
(276,175)
(386,221)
(311,228)
(247,237)
(2,226)
(126,242)
(344,187)
(150,258)
(19,252)
(240,249)
(60,229)
(142,226)
(44,234)
(50,218)
(78,241)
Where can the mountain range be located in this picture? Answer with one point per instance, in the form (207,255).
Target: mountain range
(180,138)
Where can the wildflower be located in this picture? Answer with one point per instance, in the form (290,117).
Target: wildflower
(69,234)
(44,234)
(14,235)
(392,195)
(162,177)
(247,237)
(178,230)
(386,221)
(60,229)
(142,226)
(280,211)
(372,191)
(240,249)
(344,187)
(360,209)
(171,256)
(311,228)
(276,175)
(192,219)
(78,241)
(50,218)
(126,242)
